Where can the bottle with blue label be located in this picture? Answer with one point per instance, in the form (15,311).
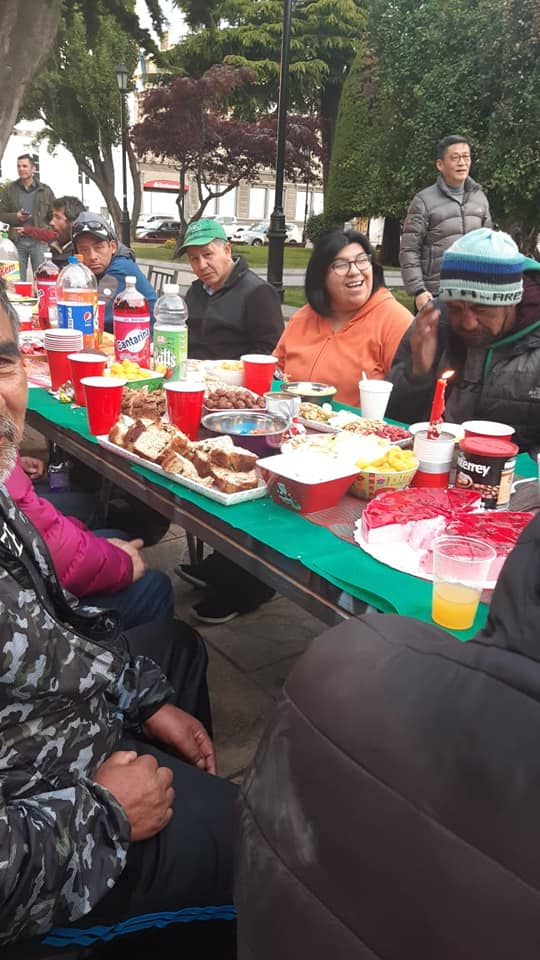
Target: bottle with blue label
(171,334)
(77,295)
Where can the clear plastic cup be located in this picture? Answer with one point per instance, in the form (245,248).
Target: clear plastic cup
(460,570)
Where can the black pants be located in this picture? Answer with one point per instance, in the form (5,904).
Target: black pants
(190,862)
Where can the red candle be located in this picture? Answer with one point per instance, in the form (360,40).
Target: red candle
(437,407)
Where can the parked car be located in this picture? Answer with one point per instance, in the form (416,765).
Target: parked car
(257,235)
(166,230)
(151,220)
(229,224)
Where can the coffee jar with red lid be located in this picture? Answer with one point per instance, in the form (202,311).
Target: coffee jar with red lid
(486,465)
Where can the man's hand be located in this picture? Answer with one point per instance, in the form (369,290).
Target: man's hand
(422,298)
(20,230)
(184,734)
(142,788)
(33,467)
(23,215)
(424,340)
(133,549)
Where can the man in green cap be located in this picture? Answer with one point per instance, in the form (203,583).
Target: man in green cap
(231,310)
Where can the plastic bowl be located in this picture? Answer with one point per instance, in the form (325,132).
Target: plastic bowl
(369,483)
(241,424)
(153,381)
(303,496)
(224,374)
(309,391)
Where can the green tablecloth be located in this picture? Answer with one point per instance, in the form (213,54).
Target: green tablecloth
(343,564)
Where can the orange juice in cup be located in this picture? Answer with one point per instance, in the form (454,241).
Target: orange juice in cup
(460,569)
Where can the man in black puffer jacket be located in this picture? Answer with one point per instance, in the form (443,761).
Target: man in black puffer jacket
(490,338)
(391,811)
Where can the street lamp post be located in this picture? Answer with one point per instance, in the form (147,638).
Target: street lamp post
(122,77)
(276,231)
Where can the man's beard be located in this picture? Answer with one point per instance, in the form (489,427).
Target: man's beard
(8,447)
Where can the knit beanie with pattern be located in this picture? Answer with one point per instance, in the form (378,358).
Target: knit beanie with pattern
(484,266)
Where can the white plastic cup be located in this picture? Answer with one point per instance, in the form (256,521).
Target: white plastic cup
(374,397)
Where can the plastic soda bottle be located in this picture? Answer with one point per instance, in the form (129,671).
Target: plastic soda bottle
(46,277)
(58,471)
(131,325)
(9,260)
(76,294)
(171,334)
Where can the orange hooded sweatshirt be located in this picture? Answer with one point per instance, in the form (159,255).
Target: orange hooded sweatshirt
(309,349)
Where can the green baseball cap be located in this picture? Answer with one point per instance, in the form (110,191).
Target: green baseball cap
(201,232)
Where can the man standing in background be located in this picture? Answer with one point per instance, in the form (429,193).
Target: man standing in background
(452,206)
(26,202)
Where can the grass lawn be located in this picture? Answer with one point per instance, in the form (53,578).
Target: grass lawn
(255,256)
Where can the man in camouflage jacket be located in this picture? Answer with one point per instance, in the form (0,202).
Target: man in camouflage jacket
(88,819)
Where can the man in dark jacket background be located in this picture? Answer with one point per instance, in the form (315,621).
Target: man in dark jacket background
(231,310)
(391,811)
(437,216)
(491,338)
(26,201)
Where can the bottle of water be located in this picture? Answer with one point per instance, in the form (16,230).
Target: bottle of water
(171,334)
(9,260)
(76,294)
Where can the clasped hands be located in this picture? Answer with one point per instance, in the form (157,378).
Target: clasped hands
(140,785)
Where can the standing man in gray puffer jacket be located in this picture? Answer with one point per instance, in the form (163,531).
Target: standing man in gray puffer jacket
(437,216)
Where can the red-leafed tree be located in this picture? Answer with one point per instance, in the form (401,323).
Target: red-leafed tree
(191,123)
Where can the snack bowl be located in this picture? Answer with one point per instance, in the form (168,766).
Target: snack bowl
(369,483)
(299,489)
(226,371)
(260,432)
(309,391)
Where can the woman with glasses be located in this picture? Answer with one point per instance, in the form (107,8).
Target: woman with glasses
(351,322)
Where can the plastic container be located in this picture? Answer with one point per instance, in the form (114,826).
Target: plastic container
(131,325)
(171,334)
(303,496)
(487,465)
(46,276)
(488,428)
(309,391)
(76,294)
(435,457)
(9,260)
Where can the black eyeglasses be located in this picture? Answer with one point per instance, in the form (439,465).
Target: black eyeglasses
(342,267)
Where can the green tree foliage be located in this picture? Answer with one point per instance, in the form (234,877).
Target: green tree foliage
(248,33)
(28,31)
(428,69)
(76,95)
(188,122)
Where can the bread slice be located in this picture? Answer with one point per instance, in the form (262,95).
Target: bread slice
(153,442)
(233,458)
(229,482)
(117,433)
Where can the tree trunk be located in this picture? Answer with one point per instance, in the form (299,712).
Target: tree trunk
(137,194)
(101,172)
(27,32)
(389,253)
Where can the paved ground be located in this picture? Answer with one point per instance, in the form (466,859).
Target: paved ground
(249,658)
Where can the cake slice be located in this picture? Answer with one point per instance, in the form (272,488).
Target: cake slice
(230,482)
(233,458)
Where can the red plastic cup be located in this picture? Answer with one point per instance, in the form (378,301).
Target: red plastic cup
(258,371)
(488,428)
(59,367)
(184,405)
(103,399)
(23,288)
(84,365)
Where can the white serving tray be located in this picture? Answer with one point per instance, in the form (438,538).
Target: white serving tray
(226,499)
